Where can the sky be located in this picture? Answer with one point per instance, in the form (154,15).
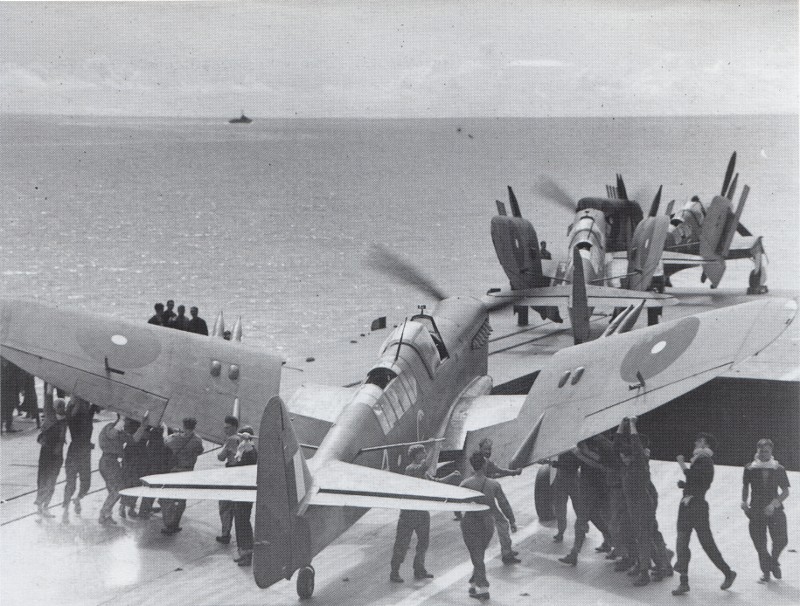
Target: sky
(405,59)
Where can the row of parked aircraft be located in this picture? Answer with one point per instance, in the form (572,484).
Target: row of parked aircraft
(328,453)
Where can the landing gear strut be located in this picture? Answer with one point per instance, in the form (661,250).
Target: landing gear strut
(305,582)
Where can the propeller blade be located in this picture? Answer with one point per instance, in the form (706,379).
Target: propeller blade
(549,189)
(501,208)
(670,206)
(512,200)
(656,202)
(729,173)
(381,259)
(742,230)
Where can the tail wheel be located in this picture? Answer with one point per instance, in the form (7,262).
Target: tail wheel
(543,495)
(305,582)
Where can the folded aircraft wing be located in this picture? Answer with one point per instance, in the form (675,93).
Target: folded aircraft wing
(334,484)
(598,296)
(133,367)
(588,388)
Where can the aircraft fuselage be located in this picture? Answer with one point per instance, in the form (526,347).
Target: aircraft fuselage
(424,365)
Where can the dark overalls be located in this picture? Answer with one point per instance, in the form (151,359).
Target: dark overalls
(763,483)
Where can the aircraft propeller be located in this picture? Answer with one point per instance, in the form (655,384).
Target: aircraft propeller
(383,260)
(551,190)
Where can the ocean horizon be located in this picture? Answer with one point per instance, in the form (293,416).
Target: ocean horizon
(271,220)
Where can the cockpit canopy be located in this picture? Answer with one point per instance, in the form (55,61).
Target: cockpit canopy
(416,336)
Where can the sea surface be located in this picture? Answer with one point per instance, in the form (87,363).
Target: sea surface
(271,221)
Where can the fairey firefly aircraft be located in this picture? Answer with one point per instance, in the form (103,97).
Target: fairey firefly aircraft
(705,235)
(323,454)
(612,257)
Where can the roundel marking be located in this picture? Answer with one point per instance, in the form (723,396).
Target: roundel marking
(658,352)
(137,348)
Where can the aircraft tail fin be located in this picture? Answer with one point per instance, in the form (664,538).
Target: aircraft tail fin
(282,537)
(579,312)
(644,253)
(517,247)
(732,225)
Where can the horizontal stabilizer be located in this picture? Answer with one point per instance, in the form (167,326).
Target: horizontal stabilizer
(387,489)
(335,484)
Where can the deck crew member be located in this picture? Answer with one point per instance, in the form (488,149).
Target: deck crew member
(112,440)
(411,522)
(197,325)
(590,506)
(228,453)
(180,322)
(167,316)
(185,447)
(693,512)
(564,487)
(158,456)
(51,455)
(767,485)
(80,421)
(501,523)
(477,527)
(640,501)
(156,318)
(245,455)
(134,467)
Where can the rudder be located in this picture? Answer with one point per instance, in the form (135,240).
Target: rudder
(282,539)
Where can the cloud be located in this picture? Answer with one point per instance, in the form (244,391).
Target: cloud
(537,63)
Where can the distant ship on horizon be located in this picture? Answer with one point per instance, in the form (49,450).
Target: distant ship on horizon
(241,120)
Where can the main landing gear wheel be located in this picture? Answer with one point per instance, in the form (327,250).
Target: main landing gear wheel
(305,582)
(758,282)
(543,495)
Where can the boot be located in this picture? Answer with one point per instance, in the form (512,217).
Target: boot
(65,515)
(44,512)
(683,587)
(422,574)
(571,558)
(603,548)
(765,578)
(642,580)
(245,560)
(395,577)
(729,579)
(77,504)
(122,512)
(624,564)
(776,570)
(558,538)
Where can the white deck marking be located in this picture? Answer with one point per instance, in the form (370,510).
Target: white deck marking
(458,572)
(119,340)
